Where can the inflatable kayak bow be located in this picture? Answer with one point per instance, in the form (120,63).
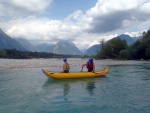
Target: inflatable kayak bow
(57,75)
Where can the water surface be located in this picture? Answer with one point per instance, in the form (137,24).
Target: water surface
(125,89)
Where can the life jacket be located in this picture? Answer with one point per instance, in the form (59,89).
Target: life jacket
(67,67)
(89,66)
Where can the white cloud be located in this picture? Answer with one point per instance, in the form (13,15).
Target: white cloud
(105,20)
(135,34)
(104,7)
(145,8)
(17,8)
(111,15)
(33,28)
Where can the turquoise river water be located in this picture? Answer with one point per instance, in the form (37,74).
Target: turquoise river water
(126,89)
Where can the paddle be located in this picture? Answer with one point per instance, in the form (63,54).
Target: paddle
(105,71)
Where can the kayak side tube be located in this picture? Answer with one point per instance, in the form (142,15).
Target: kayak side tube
(71,75)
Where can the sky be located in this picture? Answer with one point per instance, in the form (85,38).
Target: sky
(83,22)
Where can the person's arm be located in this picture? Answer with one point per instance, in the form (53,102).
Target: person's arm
(82,67)
(93,67)
(64,67)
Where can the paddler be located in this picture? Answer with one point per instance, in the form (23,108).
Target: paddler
(90,65)
(66,66)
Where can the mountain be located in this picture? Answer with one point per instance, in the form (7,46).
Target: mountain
(44,47)
(26,44)
(6,42)
(83,50)
(30,47)
(93,50)
(130,40)
(65,47)
(137,38)
(62,47)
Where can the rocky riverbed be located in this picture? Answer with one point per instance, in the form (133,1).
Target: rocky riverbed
(41,63)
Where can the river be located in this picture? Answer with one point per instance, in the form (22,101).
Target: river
(25,89)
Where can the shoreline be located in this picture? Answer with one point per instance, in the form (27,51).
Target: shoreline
(6,64)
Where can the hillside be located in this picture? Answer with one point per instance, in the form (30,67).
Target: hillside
(93,50)
(65,47)
(6,42)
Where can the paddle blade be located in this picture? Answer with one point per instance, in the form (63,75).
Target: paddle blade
(106,70)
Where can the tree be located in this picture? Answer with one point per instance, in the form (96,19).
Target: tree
(3,54)
(140,49)
(124,54)
(134,49)
(102,43)
(112,48)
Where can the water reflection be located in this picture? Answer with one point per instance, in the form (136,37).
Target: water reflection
(66,89)
(90,87)
(88,83)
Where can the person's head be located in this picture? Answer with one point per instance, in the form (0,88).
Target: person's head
(65,59)
(90,59)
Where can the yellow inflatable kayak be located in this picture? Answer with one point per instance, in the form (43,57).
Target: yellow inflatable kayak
(75,74)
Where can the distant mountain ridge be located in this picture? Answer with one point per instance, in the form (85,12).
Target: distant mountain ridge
(26,44)
(43,47)
(65,47)
(130,40)
(62,47)
(95,48)
(6,42)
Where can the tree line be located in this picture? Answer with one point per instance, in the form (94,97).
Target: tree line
(16,54)
(119,49)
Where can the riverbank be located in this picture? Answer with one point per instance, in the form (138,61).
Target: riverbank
(36,63)
(41,63)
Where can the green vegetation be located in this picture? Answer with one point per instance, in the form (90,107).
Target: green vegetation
(119,49)
(15,54)
(112,48)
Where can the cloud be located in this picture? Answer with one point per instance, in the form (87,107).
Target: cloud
(111,15)
(135,34)
(107,19)
(50,31)
(144,8)
(13,8)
